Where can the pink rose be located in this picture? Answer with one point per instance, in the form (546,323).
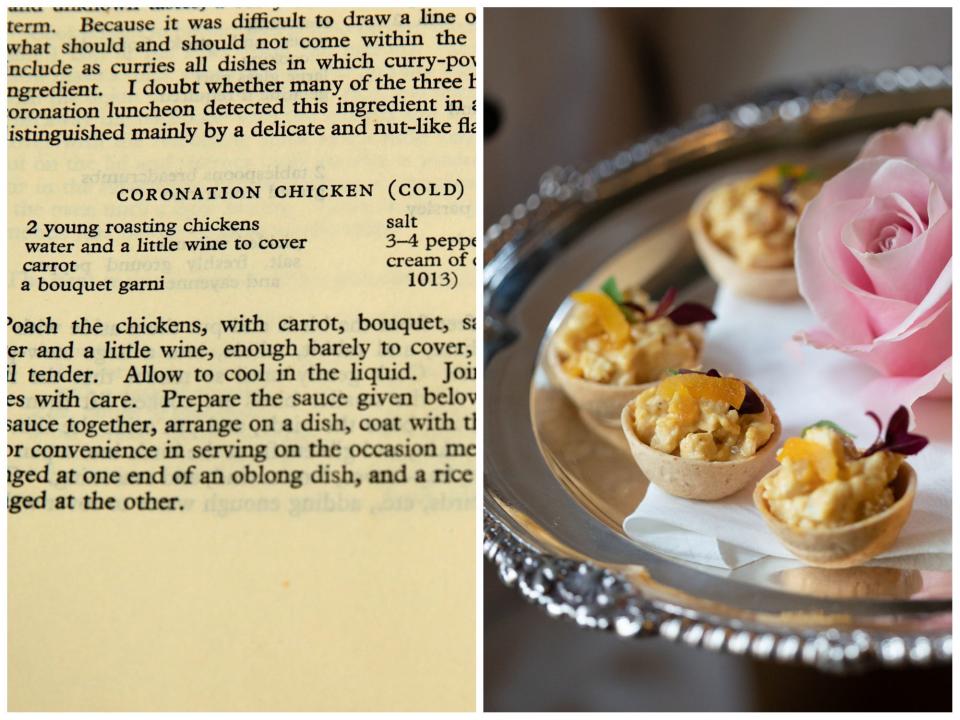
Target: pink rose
(874,255)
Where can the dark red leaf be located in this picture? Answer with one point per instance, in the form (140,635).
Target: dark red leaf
(876,418)
(896,439)
(751,402)
(899,423)
(907,444)
(689,313)
(877,444)
(665,302)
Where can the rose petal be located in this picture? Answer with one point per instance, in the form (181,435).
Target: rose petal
(827,295)
(886,394)
(872,312)
(861,232)
(929,143)
(899,176)
(911,354)
(927,309)
(908,270)
(834,223)
(937,204)
(818,337)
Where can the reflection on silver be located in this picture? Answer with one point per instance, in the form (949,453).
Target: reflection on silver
(601,600)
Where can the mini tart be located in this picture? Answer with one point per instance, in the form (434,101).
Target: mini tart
(699,479)
(760,283)
(604,401)
(847,545)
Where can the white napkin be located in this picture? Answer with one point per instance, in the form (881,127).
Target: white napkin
(753,339)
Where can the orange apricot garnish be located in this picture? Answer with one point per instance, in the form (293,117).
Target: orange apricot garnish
(704,387)
(607,313)
(820,457)
(685,405)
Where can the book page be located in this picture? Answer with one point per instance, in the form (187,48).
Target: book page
(241,359)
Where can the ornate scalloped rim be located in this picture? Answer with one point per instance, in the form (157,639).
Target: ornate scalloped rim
(599,599)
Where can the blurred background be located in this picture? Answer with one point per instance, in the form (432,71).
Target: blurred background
(571,87)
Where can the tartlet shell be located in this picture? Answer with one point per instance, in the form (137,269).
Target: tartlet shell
(761,283)
(699,479)
(850,545)
(603,402)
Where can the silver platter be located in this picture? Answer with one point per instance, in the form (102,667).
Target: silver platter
(553,511)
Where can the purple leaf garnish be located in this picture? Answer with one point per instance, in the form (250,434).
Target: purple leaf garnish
(689,313)
(909,445)
(752,403)
(686,313)
(665,302)
(896,439)
(899,423)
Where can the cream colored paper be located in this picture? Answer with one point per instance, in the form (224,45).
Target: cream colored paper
(251,597)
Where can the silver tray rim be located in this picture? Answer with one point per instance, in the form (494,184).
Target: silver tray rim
(599,598)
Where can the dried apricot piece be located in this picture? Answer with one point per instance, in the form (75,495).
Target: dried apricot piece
(821,457)
(704,387)
(684,405)
(608,314)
